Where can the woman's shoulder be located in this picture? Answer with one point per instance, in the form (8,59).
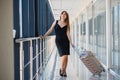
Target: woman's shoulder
(56,21)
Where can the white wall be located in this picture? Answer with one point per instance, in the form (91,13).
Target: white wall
(6,40)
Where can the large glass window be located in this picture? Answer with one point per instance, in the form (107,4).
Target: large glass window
(100,30)
(90,23)
(77,32)
(83,30)
(116,36)
(80,31)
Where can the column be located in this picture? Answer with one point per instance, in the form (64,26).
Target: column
(108,33)
(87,30)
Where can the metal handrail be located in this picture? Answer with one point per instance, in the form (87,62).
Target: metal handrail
(26,39)
(38,54)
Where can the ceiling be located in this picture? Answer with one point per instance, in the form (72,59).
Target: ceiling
(73,7)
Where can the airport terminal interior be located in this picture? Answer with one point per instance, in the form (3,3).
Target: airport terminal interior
(94,27)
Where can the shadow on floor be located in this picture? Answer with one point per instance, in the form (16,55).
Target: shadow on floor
(62,78)
(95,78)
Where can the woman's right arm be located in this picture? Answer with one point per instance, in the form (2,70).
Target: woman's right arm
(50,29)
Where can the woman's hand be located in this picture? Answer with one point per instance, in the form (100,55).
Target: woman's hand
(42,37)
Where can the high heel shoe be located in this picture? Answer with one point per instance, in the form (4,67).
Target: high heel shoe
(65,74)
(61,74)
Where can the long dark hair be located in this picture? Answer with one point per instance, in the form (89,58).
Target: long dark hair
(66,20)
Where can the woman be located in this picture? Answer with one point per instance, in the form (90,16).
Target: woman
(63,39)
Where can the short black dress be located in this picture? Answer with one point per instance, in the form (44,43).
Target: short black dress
(62,42)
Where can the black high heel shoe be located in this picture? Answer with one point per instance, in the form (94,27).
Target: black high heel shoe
(65,74)
(61,74)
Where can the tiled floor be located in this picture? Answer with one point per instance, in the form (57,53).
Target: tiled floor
(70,72)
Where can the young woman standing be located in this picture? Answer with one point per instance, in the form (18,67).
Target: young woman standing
(63,39)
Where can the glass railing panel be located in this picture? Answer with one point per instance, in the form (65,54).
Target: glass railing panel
(116,36)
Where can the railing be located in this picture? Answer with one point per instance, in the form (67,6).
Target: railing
(41,57)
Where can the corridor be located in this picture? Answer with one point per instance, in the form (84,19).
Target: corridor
(94,26)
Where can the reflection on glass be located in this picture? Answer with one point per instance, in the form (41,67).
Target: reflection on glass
(91,33)
(90,23)
(116,38)
(100,30)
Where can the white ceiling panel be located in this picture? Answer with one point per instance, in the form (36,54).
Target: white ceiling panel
(71,6)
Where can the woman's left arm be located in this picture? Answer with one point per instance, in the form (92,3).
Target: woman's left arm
(69,37)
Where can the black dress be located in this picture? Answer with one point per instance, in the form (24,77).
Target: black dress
(61,40)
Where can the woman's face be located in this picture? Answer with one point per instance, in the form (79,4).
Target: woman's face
(63,16)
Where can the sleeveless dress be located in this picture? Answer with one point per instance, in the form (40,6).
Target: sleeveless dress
(61,40)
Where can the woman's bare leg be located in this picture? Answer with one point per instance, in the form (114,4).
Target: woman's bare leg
(64,60)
